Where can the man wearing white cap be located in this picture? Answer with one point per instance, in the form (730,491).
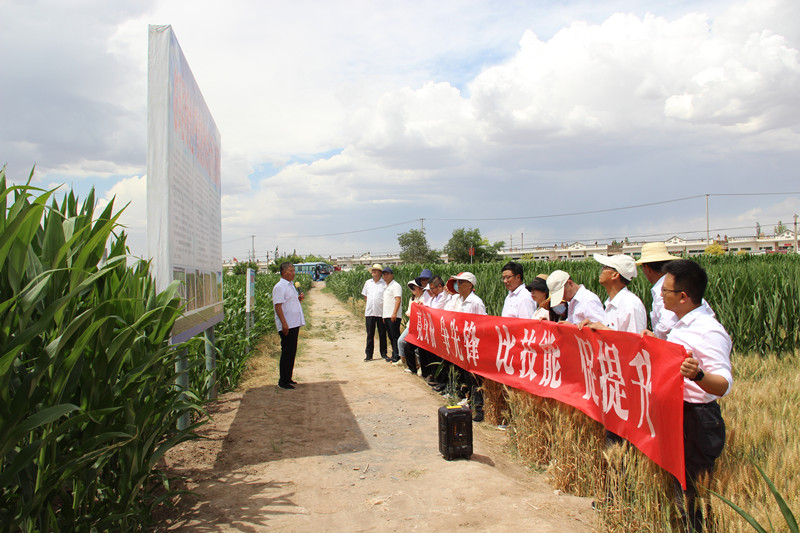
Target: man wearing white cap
(466,301)
(624,310)
(581,303)
(373,311)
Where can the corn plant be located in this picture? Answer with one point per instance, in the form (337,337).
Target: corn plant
(786,512)
(88,403)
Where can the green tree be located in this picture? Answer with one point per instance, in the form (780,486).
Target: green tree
(715,249)
(457,248)
(241,267)
(314,259)
(414,247)
(780,228)
(294,259)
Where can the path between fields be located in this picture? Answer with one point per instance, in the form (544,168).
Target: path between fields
(353,448)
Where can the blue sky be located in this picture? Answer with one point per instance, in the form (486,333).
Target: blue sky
(343,116)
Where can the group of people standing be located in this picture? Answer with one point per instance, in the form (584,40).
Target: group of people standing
(679,314)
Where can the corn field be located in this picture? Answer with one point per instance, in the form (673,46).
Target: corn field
(89,401)
(756,298)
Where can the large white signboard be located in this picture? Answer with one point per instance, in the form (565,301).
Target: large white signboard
(184,223)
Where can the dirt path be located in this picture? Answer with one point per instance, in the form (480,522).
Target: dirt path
(353,448)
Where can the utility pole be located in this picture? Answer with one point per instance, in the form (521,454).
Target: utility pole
(522,241)
(795,234)
(708,233)
(422,225)
(253,249)
(511,243)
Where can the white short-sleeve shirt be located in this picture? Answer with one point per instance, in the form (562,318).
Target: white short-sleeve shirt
(585,304)
(373,290)
(625,312)
(518,303)
(392,292)
(699,332)
(471,304)
(285,293)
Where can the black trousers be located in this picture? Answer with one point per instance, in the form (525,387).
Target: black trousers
(393,331)
(288,353)
(703,440)
(372,322)
(410,353)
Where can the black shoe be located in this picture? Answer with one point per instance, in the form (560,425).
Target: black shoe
(439,387)
(368,359)
(478,417)
(386,359)
(394,359)
(293,382)
(287,386)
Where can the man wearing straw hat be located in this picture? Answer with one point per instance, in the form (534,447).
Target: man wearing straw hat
(373,312)
(654,257)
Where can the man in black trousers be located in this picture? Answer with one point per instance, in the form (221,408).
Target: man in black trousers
(288,318)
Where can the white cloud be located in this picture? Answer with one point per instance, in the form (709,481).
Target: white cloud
(422,111)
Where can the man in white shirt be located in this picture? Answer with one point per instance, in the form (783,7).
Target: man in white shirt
(438,297)
(518,302)
(624,311)
(373,311)
(654,257)
(392,303)
(466,301)
(707,376)
(288,319)
(581,303)
(423,280)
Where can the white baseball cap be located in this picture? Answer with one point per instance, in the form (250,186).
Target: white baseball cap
(624,264)
(555,284)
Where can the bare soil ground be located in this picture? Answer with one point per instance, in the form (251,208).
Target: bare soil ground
(353,448)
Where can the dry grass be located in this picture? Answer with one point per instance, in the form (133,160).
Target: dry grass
(495,404)
(761,413)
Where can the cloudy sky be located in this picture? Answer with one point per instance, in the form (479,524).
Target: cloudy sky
(344,123)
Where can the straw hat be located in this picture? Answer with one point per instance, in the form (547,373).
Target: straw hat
(653,252)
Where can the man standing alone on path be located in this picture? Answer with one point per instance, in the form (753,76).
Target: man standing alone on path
(373,311)
(518,302)
(288,318)
(392,303)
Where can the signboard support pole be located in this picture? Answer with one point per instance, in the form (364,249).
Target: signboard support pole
(182,384)
(211,362)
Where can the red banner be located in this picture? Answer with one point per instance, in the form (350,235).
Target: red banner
(631,385)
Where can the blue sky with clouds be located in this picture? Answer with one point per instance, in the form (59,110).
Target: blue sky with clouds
(512,117)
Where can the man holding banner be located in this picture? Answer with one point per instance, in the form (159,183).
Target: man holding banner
(707,376)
